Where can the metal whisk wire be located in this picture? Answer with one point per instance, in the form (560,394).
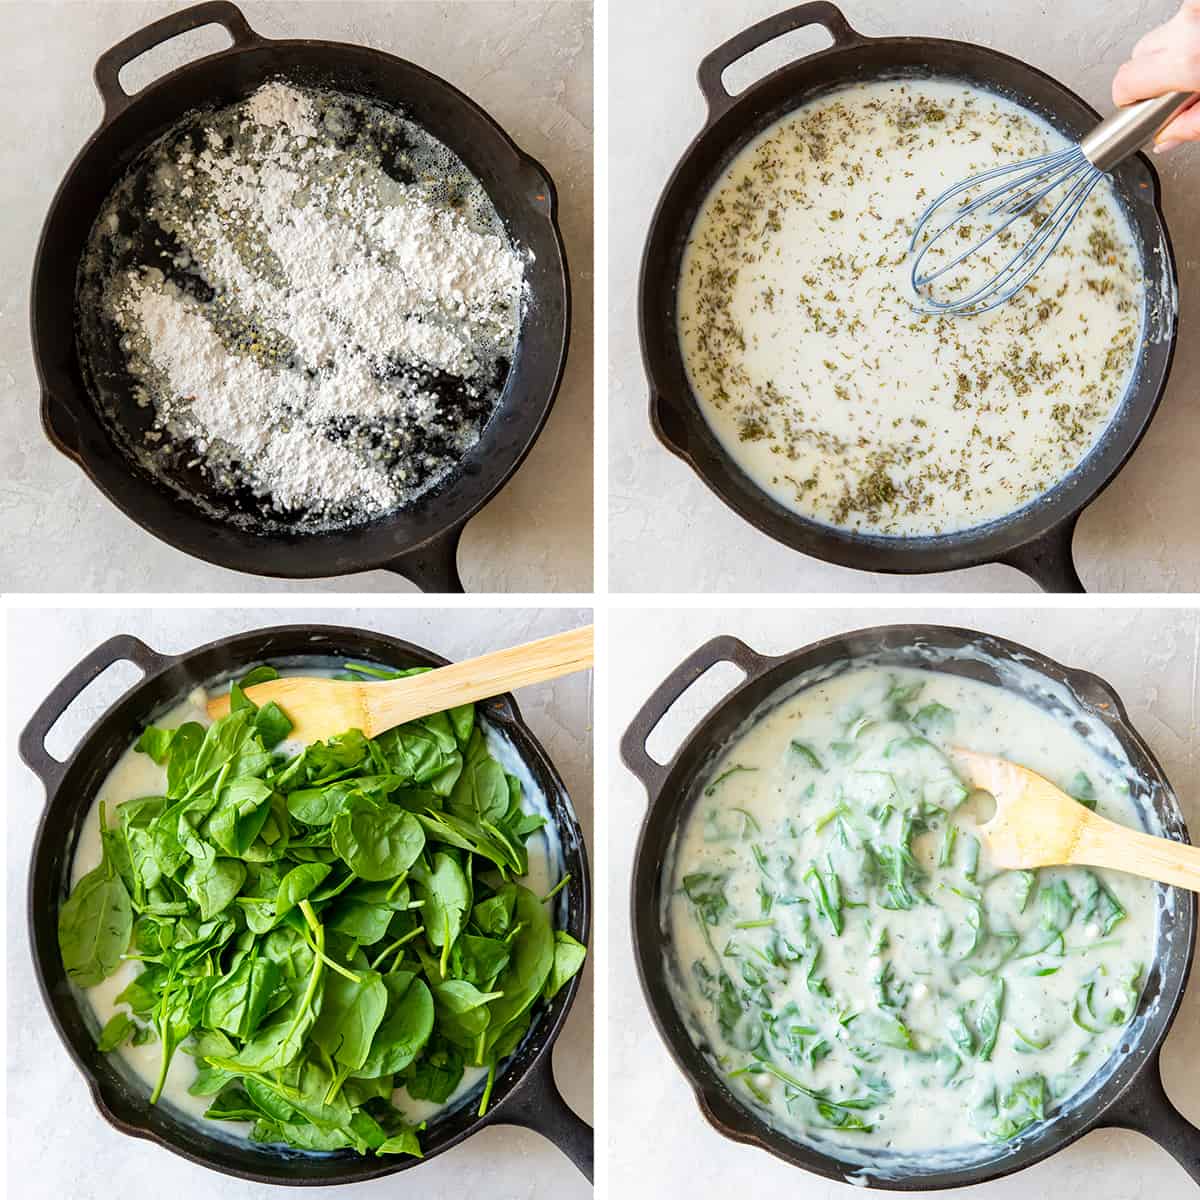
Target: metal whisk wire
(1018,188)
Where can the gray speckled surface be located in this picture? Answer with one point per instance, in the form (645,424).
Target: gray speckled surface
(1139,536)
(529,63)
(58,1144)
(1150,657)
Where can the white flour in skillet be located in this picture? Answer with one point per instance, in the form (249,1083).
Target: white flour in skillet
(318,301)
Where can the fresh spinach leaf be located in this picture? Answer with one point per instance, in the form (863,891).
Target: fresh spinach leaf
(377,841)
(404,1031)
(118,1030)
(569,956)
(436,1073)
(351,1012)
(95,923)
(445,894)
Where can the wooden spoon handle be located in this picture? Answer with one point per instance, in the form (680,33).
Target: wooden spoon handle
(1103,843)
(389,705)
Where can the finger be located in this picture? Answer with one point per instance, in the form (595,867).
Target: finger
(1179,30)
(1158,38)
(1132,77)
(1153,74)
(1184,128)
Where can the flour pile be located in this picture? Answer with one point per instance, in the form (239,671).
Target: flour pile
(329,309)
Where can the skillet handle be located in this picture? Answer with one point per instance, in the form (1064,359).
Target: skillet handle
(433,565)
(1048,560)
(60,425)
(714,65)
(669,423)
(110,63)
(1147,1109)
(634,754)
(32,743)
(537,1104)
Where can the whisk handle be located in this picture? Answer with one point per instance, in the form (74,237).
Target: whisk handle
(1129,129)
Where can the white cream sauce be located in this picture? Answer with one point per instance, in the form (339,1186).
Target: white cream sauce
(136,775)
(815,780)
(813,369)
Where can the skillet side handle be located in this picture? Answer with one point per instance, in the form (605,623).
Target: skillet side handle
(634,754)
(537,1104)
(60,425)
(1148,1110)
(111,62)
(32,743)
(433,565)
(669,424)
(1048,560)
(714,65)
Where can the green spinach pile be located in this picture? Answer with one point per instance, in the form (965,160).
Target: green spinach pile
(321,929)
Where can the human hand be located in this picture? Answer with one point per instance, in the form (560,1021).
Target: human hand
(1167,59)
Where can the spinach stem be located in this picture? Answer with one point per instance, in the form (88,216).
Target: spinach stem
(332,964)
(318,965)
(408,937)
(487,1089)
(558,887)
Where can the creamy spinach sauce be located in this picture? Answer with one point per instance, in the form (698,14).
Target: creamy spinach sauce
(843,948)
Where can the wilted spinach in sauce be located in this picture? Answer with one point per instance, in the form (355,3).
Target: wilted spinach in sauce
(847,954)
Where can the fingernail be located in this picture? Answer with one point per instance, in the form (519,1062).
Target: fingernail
(1165,145)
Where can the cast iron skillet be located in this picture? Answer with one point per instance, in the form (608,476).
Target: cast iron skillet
(1131,1096)
(525,1093)
(419,542)
(1036,539)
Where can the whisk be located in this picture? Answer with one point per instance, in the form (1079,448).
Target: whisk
(1019,188)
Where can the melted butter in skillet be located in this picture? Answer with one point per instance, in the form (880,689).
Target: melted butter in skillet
(814,371)
(862,975)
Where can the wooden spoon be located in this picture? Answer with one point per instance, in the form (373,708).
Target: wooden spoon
(321,708)
(1037,825)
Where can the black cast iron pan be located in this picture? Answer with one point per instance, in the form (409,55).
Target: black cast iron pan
(1036,539)
(419,542)
(525,1093)
(1127,1092)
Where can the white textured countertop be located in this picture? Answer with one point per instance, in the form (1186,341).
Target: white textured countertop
(58,1144)
(1151,658)
(528,63)
(668,532)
